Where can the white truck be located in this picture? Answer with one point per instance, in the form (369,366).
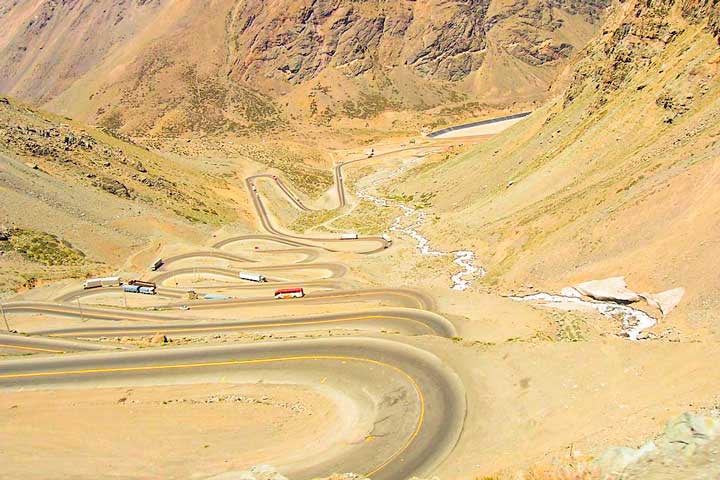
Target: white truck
(349,236)
(252,277)
(101,282)
(387,238)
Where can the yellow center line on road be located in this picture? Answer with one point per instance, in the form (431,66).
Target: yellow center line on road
(413,382)
(171,329)
(36,349)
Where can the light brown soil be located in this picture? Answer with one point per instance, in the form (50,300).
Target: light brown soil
(152,432)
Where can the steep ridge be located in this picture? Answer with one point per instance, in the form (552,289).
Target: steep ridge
(164,68)
(614,177)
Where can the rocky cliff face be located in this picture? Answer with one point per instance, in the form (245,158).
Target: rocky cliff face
(163,67)
(642,33)
(292,41)
(445,40)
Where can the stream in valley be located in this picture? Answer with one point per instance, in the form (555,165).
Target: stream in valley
(412,219)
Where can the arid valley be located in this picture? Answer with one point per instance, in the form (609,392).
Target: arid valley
(341,239)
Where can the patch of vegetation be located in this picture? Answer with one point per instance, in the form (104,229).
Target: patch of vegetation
(570,327)
(113,121)
(366,219)
(368,105)
(307,220)
(41,247)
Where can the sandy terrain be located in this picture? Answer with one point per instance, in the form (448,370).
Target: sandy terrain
(149,432)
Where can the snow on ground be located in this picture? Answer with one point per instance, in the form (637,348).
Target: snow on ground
(634,321)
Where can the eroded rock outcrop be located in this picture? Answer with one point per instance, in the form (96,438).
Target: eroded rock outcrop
(441,40)
(689,447)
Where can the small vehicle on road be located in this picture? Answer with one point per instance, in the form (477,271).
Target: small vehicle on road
(158,263)
(284,293)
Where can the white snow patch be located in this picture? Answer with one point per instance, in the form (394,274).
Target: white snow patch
(634,321)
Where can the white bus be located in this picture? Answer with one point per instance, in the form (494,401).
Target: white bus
(289,293)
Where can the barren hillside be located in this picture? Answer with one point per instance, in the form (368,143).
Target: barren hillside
(74,198)
(164,68)
(618,176)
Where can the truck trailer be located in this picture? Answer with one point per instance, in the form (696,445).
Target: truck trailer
(215,296)
(252,277)
(158,263)
(139,289)
(101,282)
(349,236)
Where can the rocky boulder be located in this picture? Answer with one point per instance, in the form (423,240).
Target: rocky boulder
(159,339)
(688,448)
(613,289)
(665,301)
(113,186)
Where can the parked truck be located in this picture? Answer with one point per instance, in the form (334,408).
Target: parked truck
(101,282)
(158,263)
(387,239)
(142,283)
(289,293)
(252,277)
(349,236)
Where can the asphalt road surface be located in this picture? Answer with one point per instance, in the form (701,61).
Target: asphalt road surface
(421,400)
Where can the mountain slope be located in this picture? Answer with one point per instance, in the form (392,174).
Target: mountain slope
(165,68)
(617,176)
(76,199)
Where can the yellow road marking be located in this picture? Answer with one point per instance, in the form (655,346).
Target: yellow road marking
(37,349)
(403,448)
(171,329)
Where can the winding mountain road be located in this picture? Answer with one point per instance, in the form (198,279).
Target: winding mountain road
(418,403)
